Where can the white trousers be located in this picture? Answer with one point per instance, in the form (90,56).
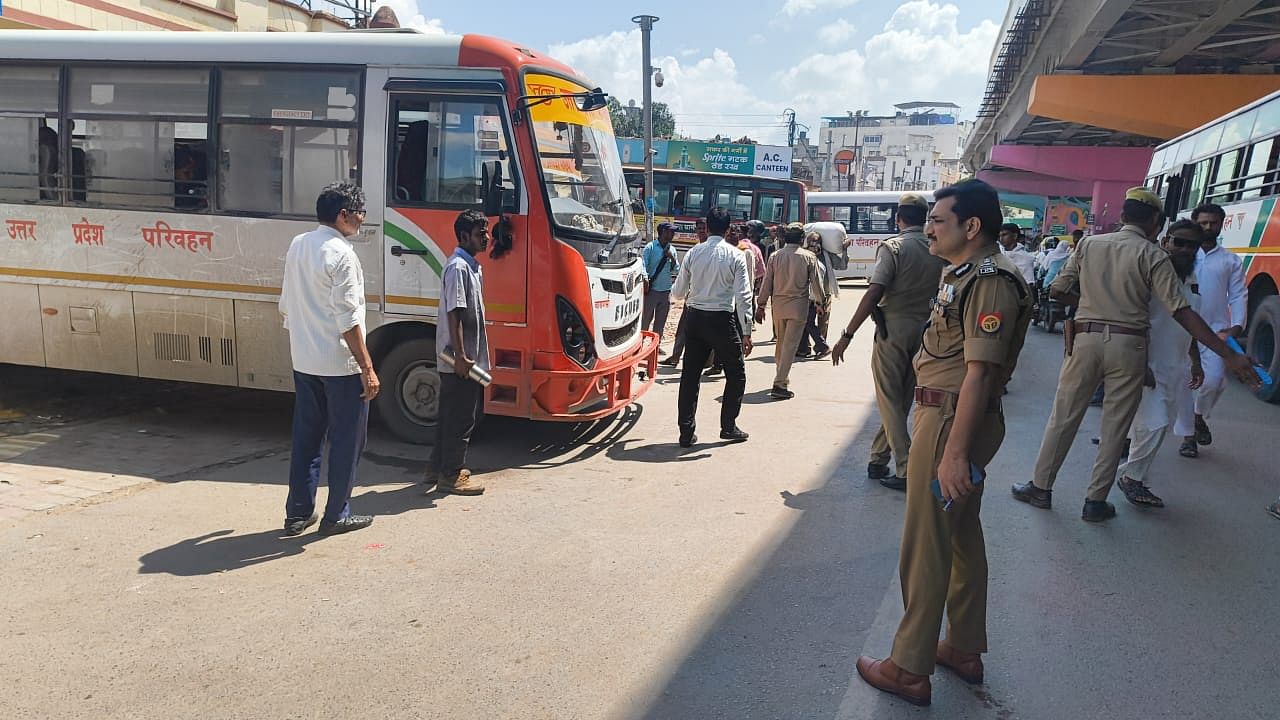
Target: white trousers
(1215,381)
(1168,405)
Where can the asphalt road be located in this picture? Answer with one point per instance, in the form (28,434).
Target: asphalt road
(606,573)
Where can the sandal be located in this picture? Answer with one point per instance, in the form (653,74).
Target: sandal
(1203,436)
(1274,509)
(1188,448)
(1139,494)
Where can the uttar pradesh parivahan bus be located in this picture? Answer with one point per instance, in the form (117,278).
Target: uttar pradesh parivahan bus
(150,184)
(868,216)
(1234,161)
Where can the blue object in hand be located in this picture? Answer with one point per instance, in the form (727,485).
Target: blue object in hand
(976,476)
(1264,377)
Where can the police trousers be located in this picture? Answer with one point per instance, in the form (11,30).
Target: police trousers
(895,379)
(1119,361)
(943,560)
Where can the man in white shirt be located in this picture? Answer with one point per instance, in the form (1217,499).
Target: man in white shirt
(716,286)
(1173,371)
(1011,246)
(322,301)
(1223,298)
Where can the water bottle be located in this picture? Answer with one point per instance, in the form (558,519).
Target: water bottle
(477,373)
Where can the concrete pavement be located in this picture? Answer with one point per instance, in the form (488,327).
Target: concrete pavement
(607,573)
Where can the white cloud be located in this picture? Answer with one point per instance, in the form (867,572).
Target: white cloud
(795,8)
(705,93)
(837,32)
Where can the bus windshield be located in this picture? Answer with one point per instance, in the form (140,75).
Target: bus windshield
(578,157)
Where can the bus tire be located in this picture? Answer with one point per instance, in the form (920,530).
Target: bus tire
(1264,344)
(410,399)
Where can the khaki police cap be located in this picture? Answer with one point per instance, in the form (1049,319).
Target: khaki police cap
(794,230)
(1144,196)
(913,199)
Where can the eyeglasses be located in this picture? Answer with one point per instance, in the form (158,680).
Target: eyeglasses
(354,212)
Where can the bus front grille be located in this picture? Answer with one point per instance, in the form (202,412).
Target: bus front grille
(618,336)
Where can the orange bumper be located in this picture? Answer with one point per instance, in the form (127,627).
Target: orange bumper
(579,395)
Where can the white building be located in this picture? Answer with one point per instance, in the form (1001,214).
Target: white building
(917,148)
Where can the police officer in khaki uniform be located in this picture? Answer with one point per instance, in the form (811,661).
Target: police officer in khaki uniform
(1111,278)
(968,351)
(903,281)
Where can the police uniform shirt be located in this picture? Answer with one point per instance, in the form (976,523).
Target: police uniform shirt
(1118,274)
(909,274)
(980,314)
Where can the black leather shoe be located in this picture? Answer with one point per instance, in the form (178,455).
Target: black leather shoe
(295,526)
(347,524)
(1028,493)
(876,471)
(734,434)
(687,441)
(1097,511)
(672,361)
(893,482)
(778,393)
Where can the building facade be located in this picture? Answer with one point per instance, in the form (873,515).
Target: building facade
(917,148)
(198,15)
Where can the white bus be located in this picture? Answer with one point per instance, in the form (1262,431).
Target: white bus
(150,184)
(868,218)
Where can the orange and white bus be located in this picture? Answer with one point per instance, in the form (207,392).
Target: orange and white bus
(150,184)
(681,197)
(1234,161)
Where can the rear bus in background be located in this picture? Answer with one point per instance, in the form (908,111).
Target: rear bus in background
(1234,161)
(150,184)
(868,217)
(682,197)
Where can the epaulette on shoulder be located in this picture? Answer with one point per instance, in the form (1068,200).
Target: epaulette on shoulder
(988,266)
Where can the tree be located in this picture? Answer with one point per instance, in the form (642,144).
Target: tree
(628,120)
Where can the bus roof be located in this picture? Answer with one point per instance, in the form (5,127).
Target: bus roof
(408,49)
(881,196)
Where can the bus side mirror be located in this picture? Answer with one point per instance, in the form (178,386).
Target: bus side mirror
(591,100)
(491,188)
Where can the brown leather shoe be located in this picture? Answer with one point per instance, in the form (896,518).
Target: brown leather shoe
(461,485)
(883,675)
(966,666)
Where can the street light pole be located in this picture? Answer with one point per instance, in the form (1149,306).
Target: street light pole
(646,27)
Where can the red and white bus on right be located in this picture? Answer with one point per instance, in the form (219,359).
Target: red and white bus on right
(868,217)
(1234,161)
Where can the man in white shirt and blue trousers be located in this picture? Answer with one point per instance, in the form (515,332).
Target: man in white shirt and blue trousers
(1223,302)
(322,301)
(716,285)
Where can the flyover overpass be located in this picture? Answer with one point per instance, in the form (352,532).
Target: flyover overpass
(1080,91)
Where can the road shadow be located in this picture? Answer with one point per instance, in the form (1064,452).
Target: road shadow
(759,658)
(225,551)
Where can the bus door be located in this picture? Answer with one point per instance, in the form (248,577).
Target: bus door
(771,207)
(440,136)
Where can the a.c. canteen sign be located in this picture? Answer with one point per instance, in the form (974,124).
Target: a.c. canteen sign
(732,158)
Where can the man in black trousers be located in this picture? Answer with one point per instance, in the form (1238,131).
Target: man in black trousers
(716,286)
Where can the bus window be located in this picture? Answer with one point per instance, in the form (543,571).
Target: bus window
(1224,175)
(875,218)
(793,209)
(284,135)
(29,139)
(1199,181)
(438,149)
(772,208)
(661,194)
(740,205)
(821,213)
(127,123)
(1262,157)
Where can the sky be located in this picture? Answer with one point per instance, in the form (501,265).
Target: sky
(732,67)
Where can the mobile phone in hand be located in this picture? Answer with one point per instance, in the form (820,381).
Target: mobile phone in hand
(976,476)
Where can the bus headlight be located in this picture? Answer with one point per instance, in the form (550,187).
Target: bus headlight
(574,335)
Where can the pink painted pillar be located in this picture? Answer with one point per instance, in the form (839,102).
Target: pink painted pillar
(1108,199)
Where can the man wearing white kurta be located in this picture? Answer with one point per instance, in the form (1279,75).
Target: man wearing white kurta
(1222,304)
(1173,371)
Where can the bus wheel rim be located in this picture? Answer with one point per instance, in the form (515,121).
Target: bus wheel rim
(420,393)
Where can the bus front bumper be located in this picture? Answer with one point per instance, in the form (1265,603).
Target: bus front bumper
(581,395)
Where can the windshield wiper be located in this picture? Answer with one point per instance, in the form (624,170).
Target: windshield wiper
(603,255)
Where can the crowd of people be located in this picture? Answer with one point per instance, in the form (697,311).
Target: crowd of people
(951,297)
